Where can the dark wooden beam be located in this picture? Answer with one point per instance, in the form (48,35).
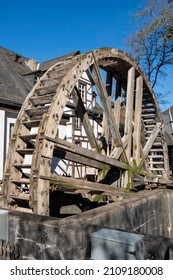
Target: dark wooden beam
(71,183)
(84,118)
(88,154)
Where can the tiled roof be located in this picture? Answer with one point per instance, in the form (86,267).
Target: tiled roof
(14,86)
(16,78)
(47,64)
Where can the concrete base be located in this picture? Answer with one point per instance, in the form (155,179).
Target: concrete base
(1,201)
(148,213)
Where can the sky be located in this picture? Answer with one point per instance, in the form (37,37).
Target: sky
(47,29)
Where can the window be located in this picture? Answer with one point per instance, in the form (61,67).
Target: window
(82,90)
(77,122)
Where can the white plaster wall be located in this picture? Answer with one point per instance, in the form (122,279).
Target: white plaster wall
(59,166)
(9,120)
(6,119)
(2,129)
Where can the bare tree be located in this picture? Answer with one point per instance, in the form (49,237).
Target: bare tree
(152,45)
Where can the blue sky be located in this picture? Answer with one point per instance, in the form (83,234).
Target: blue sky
(47,29)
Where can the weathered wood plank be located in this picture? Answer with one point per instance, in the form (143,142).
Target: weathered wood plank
(32,123)
(84,118)
(86,153)
(50,89)
(42,100)
(81,184)
(21,196)
(129,110)
(28,137)
(151,139)
(109,81)
(128,182)
(137,120)
(73,157)
(116,153)
(37,111)
(25,151)
(117,105)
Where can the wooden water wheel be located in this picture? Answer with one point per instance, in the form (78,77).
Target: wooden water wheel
(119,145)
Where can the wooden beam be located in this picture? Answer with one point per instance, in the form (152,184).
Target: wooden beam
(89,154)
(137,120)
(129,109)
(117,105)
(109,80)
(128,181)
(166,173)
(84,118)
(151,139)
(116,153)
(117,108)
(105,126)
(73,157)
(72,183)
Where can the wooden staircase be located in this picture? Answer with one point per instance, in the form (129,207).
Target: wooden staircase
(150,118)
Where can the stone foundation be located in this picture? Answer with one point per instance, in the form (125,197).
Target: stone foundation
(148,213)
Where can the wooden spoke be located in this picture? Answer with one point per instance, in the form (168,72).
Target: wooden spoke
(117,105)
(129,110)
(116,153)
(109,80)
(137,120)
(105,126)
(86,153)
(151,139)
(84,118)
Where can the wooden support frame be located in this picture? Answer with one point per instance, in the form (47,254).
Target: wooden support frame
(129,110)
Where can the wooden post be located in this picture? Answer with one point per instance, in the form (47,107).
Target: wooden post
(129,110)
(109,80)
(128,123)
(117,106)
(137,121)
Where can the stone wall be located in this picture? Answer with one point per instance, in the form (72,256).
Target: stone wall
(40,237)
